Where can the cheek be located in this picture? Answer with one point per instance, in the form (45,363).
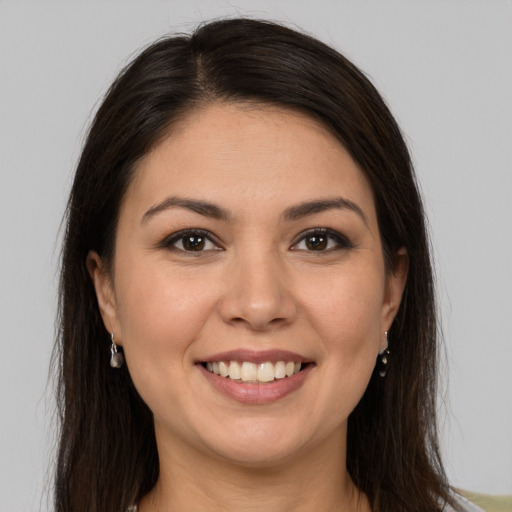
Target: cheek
(347,318)
(345,308)
(161,315)
(160,310)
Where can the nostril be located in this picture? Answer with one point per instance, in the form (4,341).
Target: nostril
(238,321)
(260,324)
(257,312)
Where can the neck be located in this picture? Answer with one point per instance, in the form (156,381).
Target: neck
(314,480)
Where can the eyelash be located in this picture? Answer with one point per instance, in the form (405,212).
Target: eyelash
(341,241)
(170,242)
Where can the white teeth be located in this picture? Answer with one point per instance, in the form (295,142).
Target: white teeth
(234,370)
(223,369)
(266,372)
(248,372)
(251,372)
(280,370)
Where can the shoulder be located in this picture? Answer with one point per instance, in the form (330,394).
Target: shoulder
(484,502)
(463,505)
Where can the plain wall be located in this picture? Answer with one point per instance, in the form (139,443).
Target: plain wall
(445,68)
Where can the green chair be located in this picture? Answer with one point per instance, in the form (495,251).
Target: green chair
(488,502)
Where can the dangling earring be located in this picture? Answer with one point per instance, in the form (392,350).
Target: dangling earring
(116,358)
(383,360)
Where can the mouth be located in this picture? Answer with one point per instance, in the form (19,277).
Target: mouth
(256,377)
(251,373)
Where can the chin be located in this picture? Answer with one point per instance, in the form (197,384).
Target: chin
(258,446)
(254,456)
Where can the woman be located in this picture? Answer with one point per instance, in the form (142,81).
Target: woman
(245,239)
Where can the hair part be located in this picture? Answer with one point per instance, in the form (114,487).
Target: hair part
(108,458)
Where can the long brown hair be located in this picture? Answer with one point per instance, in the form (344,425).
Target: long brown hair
(108,457)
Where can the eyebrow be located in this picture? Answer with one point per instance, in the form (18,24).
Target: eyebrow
(202,207)
(297,212)
(322,205)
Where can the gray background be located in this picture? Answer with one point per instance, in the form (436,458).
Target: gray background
(445,68)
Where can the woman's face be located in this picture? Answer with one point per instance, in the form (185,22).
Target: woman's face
(248,243)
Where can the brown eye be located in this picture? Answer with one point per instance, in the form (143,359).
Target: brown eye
(194,242)
(322,240)
(190,241)
(316,242)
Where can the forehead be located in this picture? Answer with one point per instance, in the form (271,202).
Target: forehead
(245,155)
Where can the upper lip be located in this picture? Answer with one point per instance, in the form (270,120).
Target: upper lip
(257,357)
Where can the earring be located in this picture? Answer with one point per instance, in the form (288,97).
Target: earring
(383,360)
(116,357)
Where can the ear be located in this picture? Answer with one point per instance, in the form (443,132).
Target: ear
(395,284)
(105,294)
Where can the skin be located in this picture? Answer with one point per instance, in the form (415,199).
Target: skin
(258,285)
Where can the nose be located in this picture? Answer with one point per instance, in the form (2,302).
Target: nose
(258,294)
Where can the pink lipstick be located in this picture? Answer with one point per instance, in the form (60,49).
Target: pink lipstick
(253,377)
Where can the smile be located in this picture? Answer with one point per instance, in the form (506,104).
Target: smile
(249,372)
(256,377)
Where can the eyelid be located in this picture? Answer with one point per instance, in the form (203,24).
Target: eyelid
(342,240)
(169,241)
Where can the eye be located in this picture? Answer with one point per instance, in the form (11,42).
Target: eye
(191,241)
(321,240)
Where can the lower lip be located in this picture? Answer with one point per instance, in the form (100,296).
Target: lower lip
(256,393)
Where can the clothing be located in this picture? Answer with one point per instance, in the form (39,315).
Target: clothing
(465,505)
(489,502)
